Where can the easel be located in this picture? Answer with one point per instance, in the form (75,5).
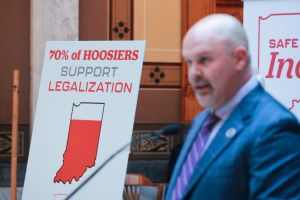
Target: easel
(14,137)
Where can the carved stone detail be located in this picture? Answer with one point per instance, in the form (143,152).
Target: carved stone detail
(148,144)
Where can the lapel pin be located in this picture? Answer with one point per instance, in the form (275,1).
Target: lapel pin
(230,133)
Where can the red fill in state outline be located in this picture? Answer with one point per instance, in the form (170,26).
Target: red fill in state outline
(81,150)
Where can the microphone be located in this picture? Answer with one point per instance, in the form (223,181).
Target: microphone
(168,130)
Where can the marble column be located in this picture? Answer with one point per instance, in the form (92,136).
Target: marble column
(50,20)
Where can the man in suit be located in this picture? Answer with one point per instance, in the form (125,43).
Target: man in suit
(245,145)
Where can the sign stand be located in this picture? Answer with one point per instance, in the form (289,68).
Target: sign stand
(273,32)
(85,112)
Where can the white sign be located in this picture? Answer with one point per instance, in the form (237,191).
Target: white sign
(85,113)
(274,38)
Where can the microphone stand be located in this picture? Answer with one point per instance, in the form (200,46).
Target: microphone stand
(170,130)
(101,166)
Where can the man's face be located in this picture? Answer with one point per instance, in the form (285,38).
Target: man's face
(211,69)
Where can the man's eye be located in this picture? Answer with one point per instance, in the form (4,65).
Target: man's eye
(188,62)
(203,59)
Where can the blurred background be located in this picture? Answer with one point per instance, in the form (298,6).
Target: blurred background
(165,96)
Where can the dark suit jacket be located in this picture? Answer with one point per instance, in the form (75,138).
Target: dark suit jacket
(255,155)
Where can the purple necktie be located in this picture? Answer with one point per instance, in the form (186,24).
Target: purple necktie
(193,156)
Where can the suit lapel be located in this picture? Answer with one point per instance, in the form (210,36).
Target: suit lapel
(228,132)
(195,128)
(235,123)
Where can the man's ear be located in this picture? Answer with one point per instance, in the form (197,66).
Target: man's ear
(241,58)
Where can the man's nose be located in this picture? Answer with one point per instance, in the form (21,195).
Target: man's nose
(196,69)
